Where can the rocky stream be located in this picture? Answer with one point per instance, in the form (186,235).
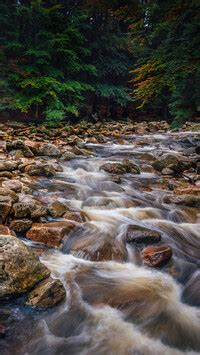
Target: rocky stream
(99,239)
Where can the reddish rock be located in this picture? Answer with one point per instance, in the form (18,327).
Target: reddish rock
(155,256)
(51,233)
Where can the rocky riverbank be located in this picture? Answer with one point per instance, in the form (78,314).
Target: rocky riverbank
(39,200)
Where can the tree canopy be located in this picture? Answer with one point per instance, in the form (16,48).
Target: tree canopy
(56,57)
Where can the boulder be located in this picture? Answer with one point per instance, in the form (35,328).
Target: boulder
(156,256)
(47,294)
(173,162)
(141,235)
(51,233)
(21,270)
(40,169)
(121,168)
(98,249)
(21,225)
(5,207)
(48,149)
(183,200)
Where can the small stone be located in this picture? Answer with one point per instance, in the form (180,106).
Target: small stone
(57,209)
(22,209)
(40,169)
(155,256)
(4,230)
(8,193)
(121,168)
(8,165)
(49,149)
(14,185)
(48,293)
(5,207)
(21,225)
(51,233)
(75,216)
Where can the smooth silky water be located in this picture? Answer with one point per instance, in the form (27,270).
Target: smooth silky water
(113,307)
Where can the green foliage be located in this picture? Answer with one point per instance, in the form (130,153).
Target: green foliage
(166,41)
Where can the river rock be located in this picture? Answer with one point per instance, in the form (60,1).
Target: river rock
(48,149)
(68,155)
(47,294)
(19,146)
(8,193)
(8,165)
(57,209)
(4,230)
(51,233)
(183,200)
(40,169)
(75,216)
(6,174)
(155,256)
(21,225)
(21,270)
(14,185)
(142,235)
(173,162)
(121,168)
(5,207)
(98,249)
(31,209)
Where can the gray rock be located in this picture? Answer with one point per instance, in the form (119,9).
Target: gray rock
(47,294)
(20,269)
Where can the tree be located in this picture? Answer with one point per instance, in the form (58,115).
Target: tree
(166,42)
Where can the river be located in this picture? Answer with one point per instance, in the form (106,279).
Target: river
(115,307)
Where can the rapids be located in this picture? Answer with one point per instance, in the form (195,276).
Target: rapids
(115,307)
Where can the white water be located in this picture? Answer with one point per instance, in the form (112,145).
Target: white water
(118,307)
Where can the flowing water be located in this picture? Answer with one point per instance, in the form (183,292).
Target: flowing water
(115,307)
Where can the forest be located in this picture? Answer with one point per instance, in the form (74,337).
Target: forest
(68,60)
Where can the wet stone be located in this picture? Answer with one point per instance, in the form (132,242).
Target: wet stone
(121,168)
(48,293)
(57,209)
(20,270)
(183,200)
(5,207)
(156,256)
(141,235)
(21,225)
(51,233)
